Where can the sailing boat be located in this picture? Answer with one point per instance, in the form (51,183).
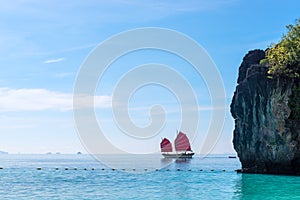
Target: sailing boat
(182,147)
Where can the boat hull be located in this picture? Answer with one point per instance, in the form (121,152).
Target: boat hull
(178,155)
(231,156)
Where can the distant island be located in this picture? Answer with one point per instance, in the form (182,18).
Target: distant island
(3,152)
(266,108)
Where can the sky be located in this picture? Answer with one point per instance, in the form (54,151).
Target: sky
(43,45)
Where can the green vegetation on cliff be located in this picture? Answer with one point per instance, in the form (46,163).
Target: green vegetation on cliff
(284,58)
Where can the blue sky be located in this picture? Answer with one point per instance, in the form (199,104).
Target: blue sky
(44,43)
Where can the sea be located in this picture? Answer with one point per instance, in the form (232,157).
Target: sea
(84,177)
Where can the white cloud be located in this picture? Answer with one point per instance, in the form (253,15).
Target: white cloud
(54,60)
(14,100)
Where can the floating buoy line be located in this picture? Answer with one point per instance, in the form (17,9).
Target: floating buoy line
(133,169)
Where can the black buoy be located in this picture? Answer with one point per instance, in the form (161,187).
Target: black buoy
(39,168)
(201,170)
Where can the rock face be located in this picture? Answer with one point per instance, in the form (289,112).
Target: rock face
(265,138)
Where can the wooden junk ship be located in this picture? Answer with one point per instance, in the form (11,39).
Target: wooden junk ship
(182,147)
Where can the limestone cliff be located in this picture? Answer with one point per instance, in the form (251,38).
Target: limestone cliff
(266,139)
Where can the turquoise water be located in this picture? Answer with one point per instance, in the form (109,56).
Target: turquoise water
(209,178)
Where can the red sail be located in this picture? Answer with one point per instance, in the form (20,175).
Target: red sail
(166,145)
(182,142)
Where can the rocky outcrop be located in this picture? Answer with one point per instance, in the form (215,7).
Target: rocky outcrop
(265,138)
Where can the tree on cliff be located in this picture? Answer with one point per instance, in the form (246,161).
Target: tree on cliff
(284,57)
(283,60)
